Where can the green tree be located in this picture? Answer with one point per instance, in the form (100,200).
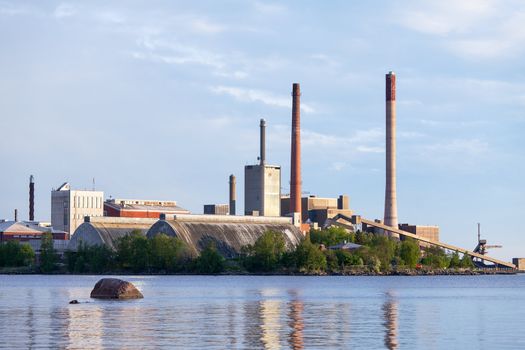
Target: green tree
(133,251)
(168,253)
(12,253)
(409,252)
(466,262)
(384,248)
(455,261)
(266,253)
(309,258)
(332,262)
(435,257)
(331,236)
(346,258)
(210,261)
(48,256)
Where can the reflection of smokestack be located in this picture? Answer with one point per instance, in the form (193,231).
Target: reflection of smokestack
(295,171)
(16,215)
(233,194)
(262,157)
(31,198)
(390,189)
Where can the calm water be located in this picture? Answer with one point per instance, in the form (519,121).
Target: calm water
(448,312)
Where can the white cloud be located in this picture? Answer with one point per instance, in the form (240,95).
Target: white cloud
(467,147)
(206,27)
(471,29)
(65,10)
(269,8)
(110,17)
(249,95)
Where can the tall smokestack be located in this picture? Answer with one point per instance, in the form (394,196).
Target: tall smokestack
(295,171)
(31,198)
(233,194)
(262,157)
(390,189)
(16,215)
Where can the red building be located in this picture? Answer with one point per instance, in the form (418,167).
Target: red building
(26,231)
(136,208)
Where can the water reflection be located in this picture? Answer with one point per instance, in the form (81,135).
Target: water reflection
(296,322)
(390,321)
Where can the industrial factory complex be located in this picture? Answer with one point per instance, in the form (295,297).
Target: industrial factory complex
(86,217)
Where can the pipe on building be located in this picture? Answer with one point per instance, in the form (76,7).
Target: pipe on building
(390,218)
(31,198)
(295,170)
(233,194)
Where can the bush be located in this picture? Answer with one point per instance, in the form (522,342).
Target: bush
(455,262)
(47,253)
(331,236)
(345,258)
(435,257)
(94,259)
(210,261)
(266,253)
(168,253)
(309,258)
(14,254)
(409,252)
(331,260)
(133,251)
(466,262)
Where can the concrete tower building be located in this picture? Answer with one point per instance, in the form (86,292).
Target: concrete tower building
(390,188)
(262,184)
(69,207)
(295,169)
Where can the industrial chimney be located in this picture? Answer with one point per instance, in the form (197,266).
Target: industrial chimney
(31,198)
(295,171)
(262,157)
(390,188)
(16,215)
(233,194)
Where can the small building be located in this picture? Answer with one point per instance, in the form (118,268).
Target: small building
(107,230)
(262,190)
(68,207)
(319,209)
(216,209)
(520,263)
(348,246)
(140,208)
(229,233)
(24,231)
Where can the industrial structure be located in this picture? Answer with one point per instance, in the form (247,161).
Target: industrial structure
(107,230)
(228,233)
(140,208)
(68,207)
(31,198)
(429,232)
(262,184)
(233,195)
(390,188)
(317,210)
(216,209)
(295,162)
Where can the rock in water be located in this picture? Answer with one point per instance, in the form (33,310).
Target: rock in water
(114,288)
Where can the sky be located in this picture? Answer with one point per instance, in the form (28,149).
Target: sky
(162,100)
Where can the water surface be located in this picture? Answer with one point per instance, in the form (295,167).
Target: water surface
(256,312)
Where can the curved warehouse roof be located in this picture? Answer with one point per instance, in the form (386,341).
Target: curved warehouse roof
(229,233)
(107,230)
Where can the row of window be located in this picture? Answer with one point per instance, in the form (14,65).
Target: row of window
(86,202)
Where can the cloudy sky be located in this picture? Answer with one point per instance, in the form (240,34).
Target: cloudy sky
(162,100)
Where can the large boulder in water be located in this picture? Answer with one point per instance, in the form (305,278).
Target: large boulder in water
(114,288)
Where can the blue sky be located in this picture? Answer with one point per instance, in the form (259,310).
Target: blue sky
(161,100)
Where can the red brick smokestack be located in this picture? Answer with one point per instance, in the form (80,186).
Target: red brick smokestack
(390,188)
(295,171)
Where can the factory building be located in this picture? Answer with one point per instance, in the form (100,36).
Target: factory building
(107,230)
(319,209)
(262,184)
(68,207)
(139,208)
(216,209)
(228,233)
(429,232)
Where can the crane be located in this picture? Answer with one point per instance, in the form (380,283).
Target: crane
(482,246)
